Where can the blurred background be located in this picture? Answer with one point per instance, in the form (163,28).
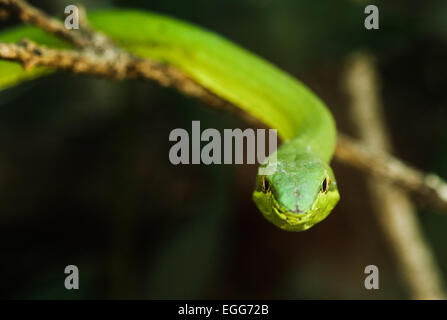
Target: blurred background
(85,177)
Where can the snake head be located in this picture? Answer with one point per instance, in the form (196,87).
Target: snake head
(298,195)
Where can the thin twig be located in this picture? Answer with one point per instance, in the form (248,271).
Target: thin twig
(33,16)
(83,38)
(102,58)
(393,208)
(426,186)
(119,67)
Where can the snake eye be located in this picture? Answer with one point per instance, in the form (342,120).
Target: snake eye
(265,185)
(325,185)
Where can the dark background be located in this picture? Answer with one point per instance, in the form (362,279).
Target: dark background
(85,177)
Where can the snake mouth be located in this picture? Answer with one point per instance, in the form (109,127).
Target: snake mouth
(280,210)
(298,219)
(291,217)
(285,218)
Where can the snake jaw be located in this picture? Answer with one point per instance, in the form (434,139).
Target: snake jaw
(297,220)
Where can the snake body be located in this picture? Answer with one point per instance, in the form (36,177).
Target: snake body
(302,191)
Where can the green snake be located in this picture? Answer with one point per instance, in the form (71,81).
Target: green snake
(302,191)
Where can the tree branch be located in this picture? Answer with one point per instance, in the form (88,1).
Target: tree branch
(97,55)
(393,208)
(33,16)
(426,186)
